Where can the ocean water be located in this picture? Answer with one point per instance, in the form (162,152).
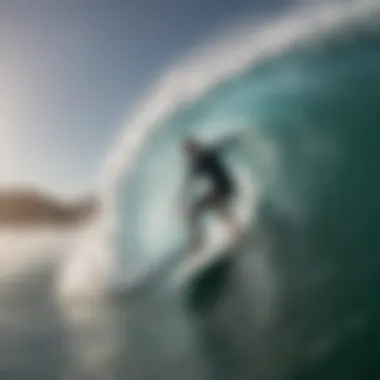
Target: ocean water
(301,299)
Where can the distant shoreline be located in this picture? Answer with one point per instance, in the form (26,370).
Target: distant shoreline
(29,208)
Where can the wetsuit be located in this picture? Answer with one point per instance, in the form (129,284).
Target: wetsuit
(208,163)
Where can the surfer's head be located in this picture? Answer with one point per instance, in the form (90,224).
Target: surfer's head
(191,146)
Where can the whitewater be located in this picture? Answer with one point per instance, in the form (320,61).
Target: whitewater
(303,295)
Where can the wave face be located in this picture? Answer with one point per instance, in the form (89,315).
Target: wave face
(312,109)
(306,301)
(313,105)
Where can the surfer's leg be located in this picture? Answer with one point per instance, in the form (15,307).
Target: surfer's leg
(223,207)
(195,223)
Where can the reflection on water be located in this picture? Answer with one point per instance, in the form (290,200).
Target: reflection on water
(117,340)
(32,340)
(147,337)
(275,321)
(41,338)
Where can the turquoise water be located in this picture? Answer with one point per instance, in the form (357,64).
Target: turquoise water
(314,112)
(307,109)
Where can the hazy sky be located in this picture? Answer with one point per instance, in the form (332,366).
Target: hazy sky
(70,70)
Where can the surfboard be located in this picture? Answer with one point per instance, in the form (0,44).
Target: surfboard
(203,259)
(205,276)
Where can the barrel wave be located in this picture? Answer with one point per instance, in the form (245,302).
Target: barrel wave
(305,301)
(300,100)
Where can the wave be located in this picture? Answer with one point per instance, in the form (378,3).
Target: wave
(258,76)
(185,96)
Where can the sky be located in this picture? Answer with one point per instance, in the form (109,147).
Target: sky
(71,72)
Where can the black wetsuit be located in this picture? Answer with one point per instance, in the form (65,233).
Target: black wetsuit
(209,164)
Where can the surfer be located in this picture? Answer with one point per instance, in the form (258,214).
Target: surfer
(206,161)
